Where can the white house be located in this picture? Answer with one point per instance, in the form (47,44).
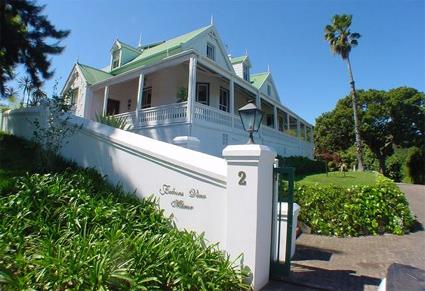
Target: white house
(187,90)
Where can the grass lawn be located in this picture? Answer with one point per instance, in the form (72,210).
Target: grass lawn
(337,178)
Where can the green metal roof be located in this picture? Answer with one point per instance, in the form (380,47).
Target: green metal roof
(93,75)
(257,80)
(123,44)
(159,52)
(237,60)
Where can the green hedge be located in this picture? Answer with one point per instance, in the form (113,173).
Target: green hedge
(354,211)
(73,231)
(302,165)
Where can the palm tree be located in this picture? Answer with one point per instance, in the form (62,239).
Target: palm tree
(342,40)
(37,95)
(26,85)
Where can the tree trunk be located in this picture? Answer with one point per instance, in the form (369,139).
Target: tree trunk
(382,168)
(359,145)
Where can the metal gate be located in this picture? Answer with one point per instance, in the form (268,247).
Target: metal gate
(283,191)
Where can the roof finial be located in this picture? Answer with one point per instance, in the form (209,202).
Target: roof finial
(268,68)
(212,19)
(140,41)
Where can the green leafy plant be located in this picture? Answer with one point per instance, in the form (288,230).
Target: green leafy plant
(72,230)
(119,122)
(52,129)
(355,210)
(415,163)
(181,95)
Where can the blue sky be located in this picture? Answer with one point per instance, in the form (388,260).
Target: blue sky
(287,35)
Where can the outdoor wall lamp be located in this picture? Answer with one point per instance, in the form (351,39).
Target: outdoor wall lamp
(251,118)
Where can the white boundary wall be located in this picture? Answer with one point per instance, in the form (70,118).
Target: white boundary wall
(230,199)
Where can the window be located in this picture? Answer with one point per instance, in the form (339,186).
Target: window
(113,107)
(246,72)
(224,100)
(115,59)
(73,96)
(269,90)
(203,93)
(147,97)
(211,51)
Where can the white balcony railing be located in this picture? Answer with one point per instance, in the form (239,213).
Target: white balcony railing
(202,114)
(158,115)
(212,115)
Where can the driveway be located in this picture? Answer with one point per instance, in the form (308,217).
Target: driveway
(360,263)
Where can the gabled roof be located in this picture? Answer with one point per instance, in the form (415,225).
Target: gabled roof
(257,80)
(237,60)
(93,75)
(160,51)
(127,46)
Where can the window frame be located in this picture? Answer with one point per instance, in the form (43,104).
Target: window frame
(118,59)
(147,97)
(212,47)
(208,92)
(221,106)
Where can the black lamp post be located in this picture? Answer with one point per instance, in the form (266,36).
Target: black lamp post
(251,118)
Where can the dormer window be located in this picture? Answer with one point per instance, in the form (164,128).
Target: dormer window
(115,59)
(210,51)
(245,72)
(269,90)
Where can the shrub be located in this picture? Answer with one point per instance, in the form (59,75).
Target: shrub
(302,165)
(73,231)
(119,122)
(396,164)
(354,211)
(415,163)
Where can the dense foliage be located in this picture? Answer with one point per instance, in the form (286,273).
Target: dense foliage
(356,210)
(302,165)
(388,119)
(415,164)
(71,230)
(25,33)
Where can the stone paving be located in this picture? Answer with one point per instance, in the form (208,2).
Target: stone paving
(331,263)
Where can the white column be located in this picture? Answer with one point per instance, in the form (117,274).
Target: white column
(191,88)
(287,118)
(232,100)
(87,97)
(139,96)
(249,183)
(276,126)
(105,100)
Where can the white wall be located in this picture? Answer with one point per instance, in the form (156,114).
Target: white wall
(202,192)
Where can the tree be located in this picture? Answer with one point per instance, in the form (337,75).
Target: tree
(394,118)
(24,32)
(342,40)
(26,85)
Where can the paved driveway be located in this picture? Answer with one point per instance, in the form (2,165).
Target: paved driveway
(332,263)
